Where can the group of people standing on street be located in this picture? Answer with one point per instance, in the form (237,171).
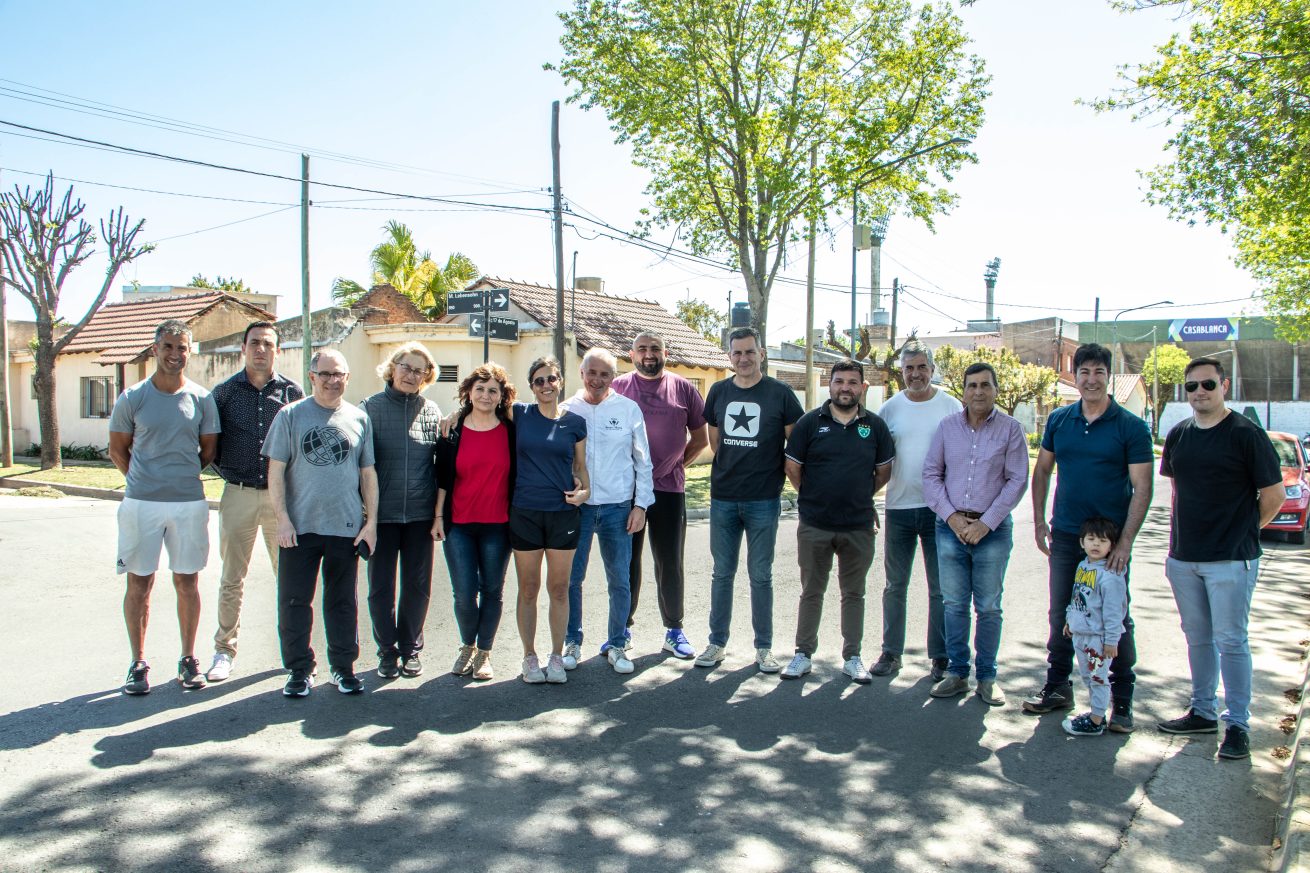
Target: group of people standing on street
(329,483)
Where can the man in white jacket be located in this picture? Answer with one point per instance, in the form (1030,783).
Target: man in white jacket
(619,465)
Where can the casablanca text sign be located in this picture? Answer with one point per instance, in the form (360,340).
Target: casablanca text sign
(1195,330)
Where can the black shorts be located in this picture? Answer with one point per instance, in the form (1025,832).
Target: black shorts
(533,529)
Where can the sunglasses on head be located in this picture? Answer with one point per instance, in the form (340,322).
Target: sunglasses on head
(1207,384)
(545,380)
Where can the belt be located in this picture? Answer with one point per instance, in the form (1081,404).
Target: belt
(969,513)
(247,485)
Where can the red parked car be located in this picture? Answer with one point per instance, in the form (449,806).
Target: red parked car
(1294,516)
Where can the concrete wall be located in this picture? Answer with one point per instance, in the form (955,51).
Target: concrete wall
(1293,417)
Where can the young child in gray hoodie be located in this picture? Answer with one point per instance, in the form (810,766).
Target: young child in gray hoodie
(1095,621)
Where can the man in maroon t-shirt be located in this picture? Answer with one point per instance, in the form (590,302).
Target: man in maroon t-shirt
(675,425)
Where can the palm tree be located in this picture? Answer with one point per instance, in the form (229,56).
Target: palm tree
(396,261)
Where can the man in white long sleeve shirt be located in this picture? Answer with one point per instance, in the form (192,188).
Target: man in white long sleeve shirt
(619,465)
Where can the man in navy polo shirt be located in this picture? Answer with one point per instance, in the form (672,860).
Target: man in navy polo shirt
(838,456)
(1105,460)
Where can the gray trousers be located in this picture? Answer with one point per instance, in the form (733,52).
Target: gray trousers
(815,549)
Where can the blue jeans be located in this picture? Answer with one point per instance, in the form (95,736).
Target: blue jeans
(758,519)
(1214,602)
(477,556)
(973,574)
(907,528)
(609,521)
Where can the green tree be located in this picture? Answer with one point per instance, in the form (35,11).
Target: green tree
(396,261)
(43,238)
(231,286)
(702,318)
(1017,382)
(1232,90)
(722,103)
(1172,361)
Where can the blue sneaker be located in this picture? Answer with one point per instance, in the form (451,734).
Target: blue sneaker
(675,642)
(1083,726)
(627,642)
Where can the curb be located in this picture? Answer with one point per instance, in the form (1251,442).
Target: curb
(1294,822)
(699,513)
(75,490)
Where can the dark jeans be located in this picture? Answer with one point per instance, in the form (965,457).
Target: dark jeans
(477,556)
(297,577)
(400,628)
(905,529)
(666,520)
(1066,553)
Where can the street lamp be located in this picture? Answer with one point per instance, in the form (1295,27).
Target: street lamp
(1118,349)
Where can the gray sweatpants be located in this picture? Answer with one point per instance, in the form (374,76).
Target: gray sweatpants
(1095,670)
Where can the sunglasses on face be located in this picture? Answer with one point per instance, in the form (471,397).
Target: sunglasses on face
(1207,384)
(545,380)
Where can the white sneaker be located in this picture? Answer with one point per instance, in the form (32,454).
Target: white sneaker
(532,671)
(555,674)
(712,656)
(221,668)
(767,663)
(854,668)
(619,661)
(799,666)
(572,651)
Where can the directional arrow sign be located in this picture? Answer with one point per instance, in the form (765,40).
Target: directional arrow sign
(504,328)
(475,326)
(499,299)
(463,302)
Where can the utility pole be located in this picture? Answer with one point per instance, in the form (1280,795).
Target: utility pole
(855,251)
(306,325)
(809,303)
(6,428)
(896,299)
(1155,392)
(559,235)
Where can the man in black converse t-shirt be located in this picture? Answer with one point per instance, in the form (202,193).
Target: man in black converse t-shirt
(750,417)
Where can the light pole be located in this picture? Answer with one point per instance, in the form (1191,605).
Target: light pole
(1117,348)
(990,272)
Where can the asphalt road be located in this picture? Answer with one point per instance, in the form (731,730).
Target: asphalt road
(670,768)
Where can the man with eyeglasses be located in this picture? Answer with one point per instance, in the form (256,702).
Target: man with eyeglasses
(324,490)
(1226,486)
(1104,458)
(750,415)
(247,404)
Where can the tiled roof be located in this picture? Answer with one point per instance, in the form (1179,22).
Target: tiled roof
(610,322)
(123,332)
(1121,383)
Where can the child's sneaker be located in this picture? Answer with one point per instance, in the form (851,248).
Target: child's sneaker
(1083,726)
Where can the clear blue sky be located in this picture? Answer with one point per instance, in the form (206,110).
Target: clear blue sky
(456,93)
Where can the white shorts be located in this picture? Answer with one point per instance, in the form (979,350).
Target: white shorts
(145,525)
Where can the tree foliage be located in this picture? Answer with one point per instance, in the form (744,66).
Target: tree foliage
(396,261)
(43,239)
(1017,382)
(723,102)
(1234,90)
(1172,361)
(702,318)
(221,283)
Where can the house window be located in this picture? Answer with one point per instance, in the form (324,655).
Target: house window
(97,397)
(448,373)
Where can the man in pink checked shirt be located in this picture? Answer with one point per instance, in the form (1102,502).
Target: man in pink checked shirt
(974,475)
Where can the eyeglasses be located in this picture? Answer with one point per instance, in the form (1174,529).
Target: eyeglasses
(329,376)
(1207,384)
(544,380)
(407,370)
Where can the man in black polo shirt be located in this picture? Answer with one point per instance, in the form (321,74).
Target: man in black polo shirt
(838,457)
(1104,457)
(247,404)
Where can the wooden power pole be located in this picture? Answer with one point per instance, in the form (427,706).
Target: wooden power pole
(559,236)
(306,331)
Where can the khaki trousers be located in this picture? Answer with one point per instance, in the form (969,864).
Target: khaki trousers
(241,513)
(815,548)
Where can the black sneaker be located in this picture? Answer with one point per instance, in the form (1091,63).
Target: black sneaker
(1236,744)
(189,675)
(389,666)
(1121,719)
(886,664)
(411,666)
(346,681)
(1050,698)
(1190,724)
(298,684)
(939,666)
(137,684)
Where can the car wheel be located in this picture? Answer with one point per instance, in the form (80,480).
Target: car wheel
(1298,539)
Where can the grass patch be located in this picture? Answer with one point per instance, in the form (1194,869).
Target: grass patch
(91,474)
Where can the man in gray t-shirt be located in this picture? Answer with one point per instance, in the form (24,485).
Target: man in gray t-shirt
(161,433)
(324,491)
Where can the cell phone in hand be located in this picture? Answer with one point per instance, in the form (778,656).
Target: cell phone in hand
(362,549)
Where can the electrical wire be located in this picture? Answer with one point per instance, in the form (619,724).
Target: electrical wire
(221,226)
